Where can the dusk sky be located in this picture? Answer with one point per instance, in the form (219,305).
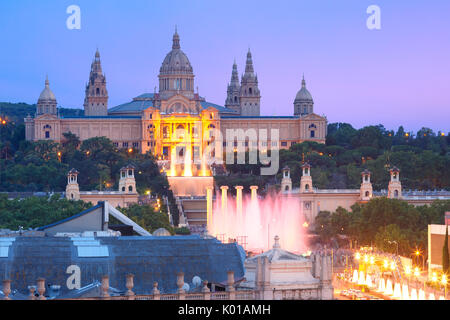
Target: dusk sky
(399,75)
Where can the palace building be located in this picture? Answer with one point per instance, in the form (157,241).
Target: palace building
(176,115)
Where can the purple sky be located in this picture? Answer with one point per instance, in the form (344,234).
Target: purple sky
(399,75)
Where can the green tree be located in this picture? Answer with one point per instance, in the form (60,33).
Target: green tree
(147,218)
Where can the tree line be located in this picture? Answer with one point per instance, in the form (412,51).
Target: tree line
(388,224)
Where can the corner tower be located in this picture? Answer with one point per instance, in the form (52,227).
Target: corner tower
(233,99)
(395,186)
(303,103)
(127,182)
(72,188)
(249,92)
(47,102)
(366,189)
(96,96)
(306,179)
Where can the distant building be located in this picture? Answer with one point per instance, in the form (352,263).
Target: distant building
(154,121)
(279,275)
(125,196)
(315,200)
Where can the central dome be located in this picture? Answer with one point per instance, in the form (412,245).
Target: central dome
(176,61)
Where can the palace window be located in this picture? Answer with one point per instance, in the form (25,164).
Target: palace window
(180,132)
(116,144)
(125,144)
(135,144)
(166,132)
(47,134)
(284,143)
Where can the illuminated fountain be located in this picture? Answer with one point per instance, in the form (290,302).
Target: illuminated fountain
(397,291)
(190,180)
(254,222)
(414,294)
(405,292)
(422,295)
(381,285)
(361,278)
(389,290)
(355,276)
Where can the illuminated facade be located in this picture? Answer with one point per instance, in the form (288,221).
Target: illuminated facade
(175,123)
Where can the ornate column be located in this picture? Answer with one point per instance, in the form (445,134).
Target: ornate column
(230,285)
(206,291)
(32,290)
(6,289)
(209,207)
(105,288)
(254,195)
(239,200)
(180,283)
(41,288)
(224,199)
(155,292)
(130,285)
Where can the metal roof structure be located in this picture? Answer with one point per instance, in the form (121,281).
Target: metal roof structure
(148,258)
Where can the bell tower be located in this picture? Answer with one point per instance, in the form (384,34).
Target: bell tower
(395,186)
(96,95)
(366,190)
(249,93)
(286,182)
(233,100)
(306,179)
(127,182)
(72,188)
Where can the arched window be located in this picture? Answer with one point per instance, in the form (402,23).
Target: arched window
(307,187)
(250,90)
(130,188)
(130,173)
(396,194)
(97,91)
(211,128)
(123,189)
(312,134)
(367,193)
(235,99)
(286,188)
(179,131)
